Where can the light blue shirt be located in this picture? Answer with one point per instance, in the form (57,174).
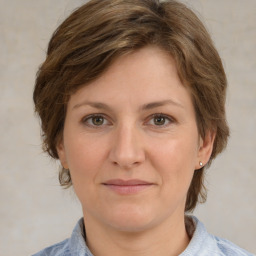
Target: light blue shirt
(201,244)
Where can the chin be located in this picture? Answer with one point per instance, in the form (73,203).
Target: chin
(131,220)
(132,226)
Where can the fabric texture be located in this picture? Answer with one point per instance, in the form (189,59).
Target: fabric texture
(201,244)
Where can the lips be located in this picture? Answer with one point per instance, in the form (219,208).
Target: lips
(126,187)
(120,182)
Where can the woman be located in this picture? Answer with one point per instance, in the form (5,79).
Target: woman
(131,100)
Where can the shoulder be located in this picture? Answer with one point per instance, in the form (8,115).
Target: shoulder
(75,245)
(59,249)
(228,248)
(203,244)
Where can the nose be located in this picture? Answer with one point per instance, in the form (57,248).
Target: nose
(127,148)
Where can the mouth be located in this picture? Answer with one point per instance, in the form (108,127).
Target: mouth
(127,187)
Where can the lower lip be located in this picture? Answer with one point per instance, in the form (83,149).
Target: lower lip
(128,189)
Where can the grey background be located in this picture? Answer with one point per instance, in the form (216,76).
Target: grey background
(34,211)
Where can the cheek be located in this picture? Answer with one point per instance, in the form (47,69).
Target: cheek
(85,159)
(84,156)
(174,160)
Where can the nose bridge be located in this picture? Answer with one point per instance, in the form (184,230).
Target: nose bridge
(127,149)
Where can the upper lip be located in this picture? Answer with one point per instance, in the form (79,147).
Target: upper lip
(120,182)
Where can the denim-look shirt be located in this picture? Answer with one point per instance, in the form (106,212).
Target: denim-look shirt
(201,244)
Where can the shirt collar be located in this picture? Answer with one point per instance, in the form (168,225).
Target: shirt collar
(200,244)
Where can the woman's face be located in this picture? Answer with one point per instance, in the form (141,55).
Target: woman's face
(131,143)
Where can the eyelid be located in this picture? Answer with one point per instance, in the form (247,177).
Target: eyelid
(90,116)
(106,118)
(168,117)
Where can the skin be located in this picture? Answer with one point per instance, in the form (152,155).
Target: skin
(124,140)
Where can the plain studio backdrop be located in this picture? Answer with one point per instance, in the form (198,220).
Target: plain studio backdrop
(35,212)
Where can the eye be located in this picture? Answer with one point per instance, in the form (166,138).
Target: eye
(160,120)
(95,120)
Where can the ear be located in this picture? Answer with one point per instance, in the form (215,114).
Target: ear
(62,154)
(205,148)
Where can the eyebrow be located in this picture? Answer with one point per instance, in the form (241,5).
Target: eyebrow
(98,105)
(147,106)
(160,104)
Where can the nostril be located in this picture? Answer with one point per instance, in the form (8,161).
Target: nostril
(126,165)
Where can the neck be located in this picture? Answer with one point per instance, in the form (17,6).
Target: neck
(168,239)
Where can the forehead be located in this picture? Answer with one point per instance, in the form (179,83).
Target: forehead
(145,75)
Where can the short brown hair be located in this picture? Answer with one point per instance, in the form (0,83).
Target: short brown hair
(100,31)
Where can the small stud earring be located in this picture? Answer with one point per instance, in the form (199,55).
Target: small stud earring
(200,163)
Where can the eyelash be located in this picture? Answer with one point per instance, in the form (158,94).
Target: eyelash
(87,118)
(167,118)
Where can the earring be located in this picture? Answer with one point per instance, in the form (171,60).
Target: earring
(200,163)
